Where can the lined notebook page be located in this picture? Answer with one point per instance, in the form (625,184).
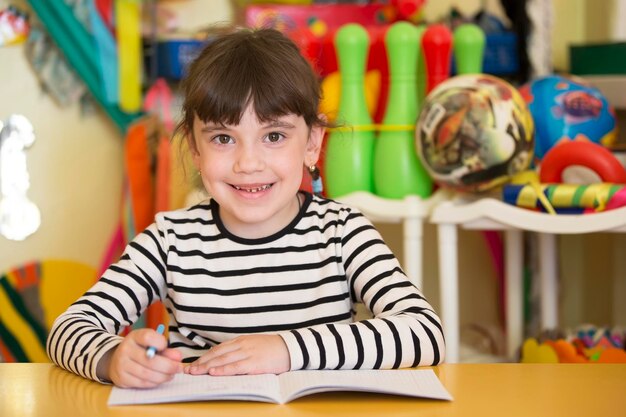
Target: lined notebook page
(202,387)
(410,382)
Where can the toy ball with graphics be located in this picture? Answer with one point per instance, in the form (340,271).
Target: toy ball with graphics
(567,109)
(474,132)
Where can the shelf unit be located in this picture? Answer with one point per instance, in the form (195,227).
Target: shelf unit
(492,214)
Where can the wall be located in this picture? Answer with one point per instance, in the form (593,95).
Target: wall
(436,9)
(75,170)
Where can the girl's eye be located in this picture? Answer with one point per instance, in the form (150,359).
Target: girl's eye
(223,139)
(274,137)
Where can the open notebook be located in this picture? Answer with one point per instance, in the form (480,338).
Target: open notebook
(285,387)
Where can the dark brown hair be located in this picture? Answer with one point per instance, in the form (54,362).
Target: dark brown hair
(242,66)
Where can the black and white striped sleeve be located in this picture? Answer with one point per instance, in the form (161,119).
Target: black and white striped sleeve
(90,327)
(404,330)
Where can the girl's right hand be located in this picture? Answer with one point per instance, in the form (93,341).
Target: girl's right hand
(127,365)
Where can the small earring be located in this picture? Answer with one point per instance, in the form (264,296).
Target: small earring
(316,178)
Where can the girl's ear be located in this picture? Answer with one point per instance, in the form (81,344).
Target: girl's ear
(193,149)
(314,145)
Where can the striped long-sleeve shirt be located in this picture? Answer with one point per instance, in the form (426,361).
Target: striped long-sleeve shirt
(300,283)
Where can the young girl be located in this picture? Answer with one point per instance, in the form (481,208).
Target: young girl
(259,278)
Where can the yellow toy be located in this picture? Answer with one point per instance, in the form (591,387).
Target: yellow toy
(331,90)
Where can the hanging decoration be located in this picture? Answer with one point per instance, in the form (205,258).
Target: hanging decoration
(19,217)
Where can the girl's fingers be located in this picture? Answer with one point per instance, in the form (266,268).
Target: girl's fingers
(141,377)
(147,337)
(217,351)
(163,364)
(131,367)
(156,371)
(130,373)
(233,368)
(167,361)
(228,358)
(172,354)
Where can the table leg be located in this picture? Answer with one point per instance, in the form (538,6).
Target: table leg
(514,291)
(619,280)
(413,235)
(548,279)
(449,289)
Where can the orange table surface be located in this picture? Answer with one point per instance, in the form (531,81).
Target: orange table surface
(478,390)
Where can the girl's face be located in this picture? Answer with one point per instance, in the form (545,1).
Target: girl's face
(254,169)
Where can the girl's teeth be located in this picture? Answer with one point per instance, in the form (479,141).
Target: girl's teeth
(254,190)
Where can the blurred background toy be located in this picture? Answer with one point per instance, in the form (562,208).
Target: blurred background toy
(566,198)
(410,10)
(474,132)
(437,50)
(586,344)
(331,90)
(469,48)
(602,164)
(398,171)
(566,109)
(350,150)
(14,26)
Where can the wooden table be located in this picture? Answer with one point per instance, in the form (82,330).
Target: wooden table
(44,390)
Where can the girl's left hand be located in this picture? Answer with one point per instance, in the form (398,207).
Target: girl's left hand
(250,354)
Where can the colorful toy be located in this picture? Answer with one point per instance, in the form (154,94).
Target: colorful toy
(350,150)
(565,109)
(533,352)
(408,9)
(469,46)
(474,132)
(322,21)
(331,91)
(586,345)
(397,170)
(592,197)
(581,153)
(437,47)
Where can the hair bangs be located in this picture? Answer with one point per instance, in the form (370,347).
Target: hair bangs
(261,68)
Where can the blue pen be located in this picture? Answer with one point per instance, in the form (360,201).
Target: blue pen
(151,351)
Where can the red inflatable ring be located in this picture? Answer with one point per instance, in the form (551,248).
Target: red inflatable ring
(579,152)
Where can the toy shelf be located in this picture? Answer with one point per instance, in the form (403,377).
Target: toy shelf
(493,214)
(410,211)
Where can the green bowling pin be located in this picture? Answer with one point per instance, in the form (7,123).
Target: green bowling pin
(469,47)
(398,172)
(349,152)
(421,70)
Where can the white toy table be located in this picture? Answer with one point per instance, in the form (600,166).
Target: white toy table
(493,214)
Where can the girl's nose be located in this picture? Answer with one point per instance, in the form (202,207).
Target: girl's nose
(249,159)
